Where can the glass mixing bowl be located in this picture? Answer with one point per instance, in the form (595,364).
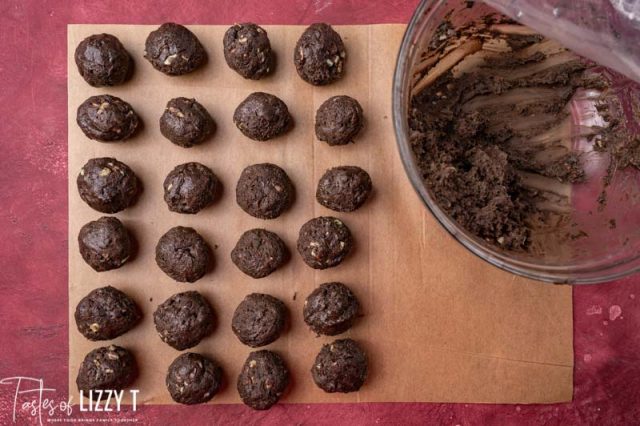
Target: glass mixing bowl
(608,244)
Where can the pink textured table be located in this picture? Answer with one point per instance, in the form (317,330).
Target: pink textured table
(33,232)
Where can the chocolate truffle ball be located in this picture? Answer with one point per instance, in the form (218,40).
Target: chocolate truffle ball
(107,185)
(103,61)
(319,55)
(107,118)
(344,188)
(174,50)
(183,254)
(247,51)
(106,313)
(259,252)
(259,319)
(262,116)
(193,379)
(105,244)
(107,368)
(338,120)
(264,191)
(184,319)
(331,309)
(340,366)
(263,379)
(324,242)
(190,187)
(186,123)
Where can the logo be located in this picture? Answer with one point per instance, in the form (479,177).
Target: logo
(32,397)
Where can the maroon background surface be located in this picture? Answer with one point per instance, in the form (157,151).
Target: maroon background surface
(33,231)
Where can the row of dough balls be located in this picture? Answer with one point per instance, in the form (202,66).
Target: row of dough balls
(186,122)
(319,54)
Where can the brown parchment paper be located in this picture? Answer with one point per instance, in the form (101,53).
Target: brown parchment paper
(439,324)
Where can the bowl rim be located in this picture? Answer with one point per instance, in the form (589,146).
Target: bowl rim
(570,274)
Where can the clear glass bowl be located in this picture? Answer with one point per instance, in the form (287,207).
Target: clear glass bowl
(608,246)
